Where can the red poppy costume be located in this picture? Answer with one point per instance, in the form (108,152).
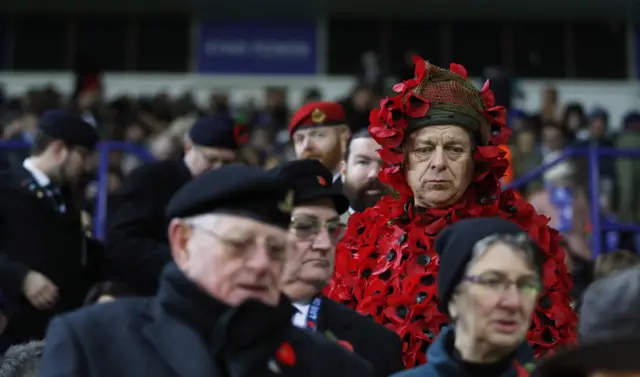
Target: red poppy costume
(386,265)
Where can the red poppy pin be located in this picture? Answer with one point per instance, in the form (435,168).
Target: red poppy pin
(345,344)
(285,354)
(240,134)
(322,181)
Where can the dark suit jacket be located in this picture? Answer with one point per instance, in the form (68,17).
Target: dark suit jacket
(135,337)
(373,342)
(137,245)
(35,235)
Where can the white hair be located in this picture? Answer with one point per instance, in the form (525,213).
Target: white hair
(22,360)
(520,242)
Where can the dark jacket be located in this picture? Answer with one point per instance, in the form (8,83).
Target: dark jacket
(443,362)
(373,342)
(36,235)
(137,245)
(184,332)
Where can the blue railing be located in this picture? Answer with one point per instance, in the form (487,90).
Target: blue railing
(104,149)
(593,154)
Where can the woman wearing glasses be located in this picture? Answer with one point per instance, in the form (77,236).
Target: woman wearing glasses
(488,284)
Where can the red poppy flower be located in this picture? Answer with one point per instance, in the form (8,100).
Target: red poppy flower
(241,134)
(285,354)
(322,181)
(345,344)
(386,264)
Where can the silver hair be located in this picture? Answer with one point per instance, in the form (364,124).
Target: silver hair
(520,242)
(22,360)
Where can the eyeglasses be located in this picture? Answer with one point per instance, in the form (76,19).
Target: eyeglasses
(500,284)
(308,227)
(246,244)
(215,161)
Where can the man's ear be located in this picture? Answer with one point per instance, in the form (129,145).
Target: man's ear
(344,134)
(343,169)
(179,234)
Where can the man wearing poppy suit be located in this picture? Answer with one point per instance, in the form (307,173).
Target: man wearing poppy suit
(319,130)
(48,262)
(316,227)
(137,244)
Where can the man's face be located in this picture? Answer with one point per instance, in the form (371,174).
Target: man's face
(316,228)
(360,174)
(74,162)
(322,143)
(232,258)
(553,138)
(204,159)
(439,165)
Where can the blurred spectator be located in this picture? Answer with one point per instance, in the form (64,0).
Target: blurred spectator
(574,122)
(371,74)
(22,360)
(549,106)
(614,262)
(358,106)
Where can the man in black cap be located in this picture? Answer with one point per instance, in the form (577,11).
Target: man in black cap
(137,245)
(47,262)
(219,310)
(609,330)
(316,227)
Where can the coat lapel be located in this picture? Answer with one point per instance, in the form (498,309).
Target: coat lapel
(179,345)
(330,318)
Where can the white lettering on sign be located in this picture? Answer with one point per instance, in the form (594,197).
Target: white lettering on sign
(263,49)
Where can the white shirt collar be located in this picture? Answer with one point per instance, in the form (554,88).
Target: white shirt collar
(300,317)
(37,174)
(351,211)
(336,177)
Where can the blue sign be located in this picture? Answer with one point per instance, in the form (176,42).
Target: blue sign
(257,47)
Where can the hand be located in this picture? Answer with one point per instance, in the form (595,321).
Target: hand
(39,290)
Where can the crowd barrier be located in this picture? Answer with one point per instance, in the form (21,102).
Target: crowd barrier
(593,153)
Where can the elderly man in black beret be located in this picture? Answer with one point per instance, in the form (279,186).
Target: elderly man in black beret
(316,227)
(219,310)
(137,244)
(47,262)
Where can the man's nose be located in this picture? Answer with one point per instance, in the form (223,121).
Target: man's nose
(438,159)
(322,242)
(260,260)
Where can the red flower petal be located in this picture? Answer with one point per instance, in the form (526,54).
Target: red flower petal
(285,354)
(458,70)
(417,106)
(347,345)
(487,95)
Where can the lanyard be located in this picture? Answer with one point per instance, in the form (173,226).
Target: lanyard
(312,315)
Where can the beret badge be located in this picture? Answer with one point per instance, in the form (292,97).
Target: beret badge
(318,116)
(286,206)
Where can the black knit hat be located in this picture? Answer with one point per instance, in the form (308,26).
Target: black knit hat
(455,244)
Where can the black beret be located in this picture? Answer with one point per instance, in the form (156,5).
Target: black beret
(455,244)
(311,180)
(218,131)
(70,128)
(236,189)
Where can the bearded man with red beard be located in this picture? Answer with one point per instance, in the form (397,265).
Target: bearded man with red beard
(319,130)
(440,139)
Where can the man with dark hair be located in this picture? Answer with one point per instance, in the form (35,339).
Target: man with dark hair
(22,360)
(137,244)
(47,262)
(359,173)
